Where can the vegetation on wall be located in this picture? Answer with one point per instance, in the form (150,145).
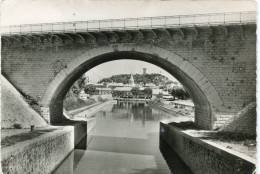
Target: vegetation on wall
(71,100)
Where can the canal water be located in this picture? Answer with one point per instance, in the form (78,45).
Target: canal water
(124,140)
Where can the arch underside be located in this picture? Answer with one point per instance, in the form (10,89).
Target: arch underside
(64,80)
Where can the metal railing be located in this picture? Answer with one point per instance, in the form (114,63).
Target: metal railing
(134,23)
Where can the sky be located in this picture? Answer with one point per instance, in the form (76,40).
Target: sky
(44,11)
(41,11)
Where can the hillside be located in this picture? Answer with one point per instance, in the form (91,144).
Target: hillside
(155,78)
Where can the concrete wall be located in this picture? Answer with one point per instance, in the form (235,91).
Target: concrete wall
(39,155)
(215,63)
(202,157)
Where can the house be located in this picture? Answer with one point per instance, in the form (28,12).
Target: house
(122,92)
(103,91)
(83,96)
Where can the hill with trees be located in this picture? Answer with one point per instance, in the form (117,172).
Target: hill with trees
(155,78)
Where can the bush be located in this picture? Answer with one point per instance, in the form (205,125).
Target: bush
(17,126)
(180,93)
(100,99)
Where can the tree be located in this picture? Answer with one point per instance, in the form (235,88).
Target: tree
(157,79)
(75,89)
(148,92)
(135,91)
(180,93)
(90,89)
(173,93)
(81,82)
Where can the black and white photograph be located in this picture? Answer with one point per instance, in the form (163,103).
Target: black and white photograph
(129,86)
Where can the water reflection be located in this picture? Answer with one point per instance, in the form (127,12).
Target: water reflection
(125,140)
(138,111)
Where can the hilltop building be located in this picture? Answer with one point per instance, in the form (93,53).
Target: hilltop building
(144,70)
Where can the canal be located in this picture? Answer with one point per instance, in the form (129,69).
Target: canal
(125,140)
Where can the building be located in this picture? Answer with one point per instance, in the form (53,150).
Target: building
(114,85)
(150,85)
(131,81)
(83,96)
(144,70)
(103,91)
(122,92)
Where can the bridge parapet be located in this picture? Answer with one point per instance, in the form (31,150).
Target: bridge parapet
(189,37)
(133,23)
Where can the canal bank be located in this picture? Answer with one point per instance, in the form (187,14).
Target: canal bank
(183,115)
(88,111)
(163,108)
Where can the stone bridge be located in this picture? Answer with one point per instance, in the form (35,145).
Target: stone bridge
(212,55)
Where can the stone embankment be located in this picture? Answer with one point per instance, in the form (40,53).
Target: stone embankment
(171,110)
(205,156)
(79,110)
(40,151)
(86,113)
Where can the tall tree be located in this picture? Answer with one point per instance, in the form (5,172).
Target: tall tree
(148,92)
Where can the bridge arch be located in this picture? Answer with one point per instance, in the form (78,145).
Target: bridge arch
(203,94)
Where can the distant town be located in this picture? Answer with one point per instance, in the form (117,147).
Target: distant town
(145,86)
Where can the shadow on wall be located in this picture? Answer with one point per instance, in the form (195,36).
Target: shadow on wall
(14,139)
(173,161)
(185,125)
(15,111)
(243,122)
